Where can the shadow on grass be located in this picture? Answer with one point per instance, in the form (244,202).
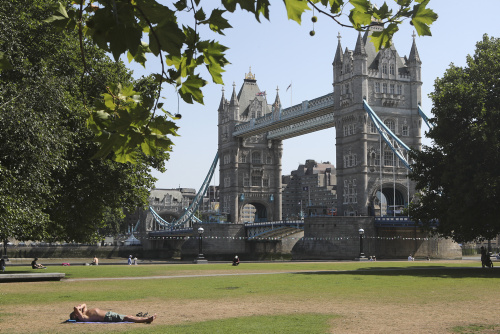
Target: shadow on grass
(436,271)
(310,323)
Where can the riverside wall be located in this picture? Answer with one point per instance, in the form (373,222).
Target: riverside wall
(337,238)
(324,238)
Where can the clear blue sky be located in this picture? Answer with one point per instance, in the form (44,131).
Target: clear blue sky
(281,52)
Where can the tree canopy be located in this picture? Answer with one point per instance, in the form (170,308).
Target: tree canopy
(50,188)
(458,177)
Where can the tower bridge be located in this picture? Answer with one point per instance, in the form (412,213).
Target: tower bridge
(375,109)
(369,86)
(251,132)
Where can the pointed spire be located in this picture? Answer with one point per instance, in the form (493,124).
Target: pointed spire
(339,56)
(234,98)
(222,101)
(277,101)
(414,57)
(360,46)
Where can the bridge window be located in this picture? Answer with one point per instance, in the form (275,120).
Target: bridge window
(388,158)
(400,89)
(384,68)
(256,181)
(350,160)
(351,129)
(377,87)
(404,131)
(246,181)
(390,124)
(350,193)
(347,88)
(346,131)
(384,88)
(269,160)
(227,159)
(393,91)
(227,181)
(265,182)
(243,158)
(391,69)
(225,207)
(373,128)
(256,158)
(377,159)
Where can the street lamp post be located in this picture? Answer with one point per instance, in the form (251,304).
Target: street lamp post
(361,233)
(200,258)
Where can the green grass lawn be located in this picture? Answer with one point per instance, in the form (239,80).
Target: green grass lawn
(370,282)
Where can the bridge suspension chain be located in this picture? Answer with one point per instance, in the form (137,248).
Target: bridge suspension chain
(397,146)
(430,125)
(193,207)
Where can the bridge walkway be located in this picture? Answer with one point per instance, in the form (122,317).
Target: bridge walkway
(277,234)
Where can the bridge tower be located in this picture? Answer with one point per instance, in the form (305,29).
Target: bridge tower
(391,85)
(250,167)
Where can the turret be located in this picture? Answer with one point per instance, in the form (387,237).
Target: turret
(337,61)
(277,101)
(222,102)
(234,105)
(414,63)
(360,57)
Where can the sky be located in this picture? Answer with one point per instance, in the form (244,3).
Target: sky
(281,52)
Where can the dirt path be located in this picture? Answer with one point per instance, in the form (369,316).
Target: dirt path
(354,316)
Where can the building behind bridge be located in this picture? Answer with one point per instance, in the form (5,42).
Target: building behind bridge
(310,190)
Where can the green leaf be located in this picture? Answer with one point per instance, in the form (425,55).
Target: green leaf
(336,6)
(200,15)
(213,53)
(422,18)
(62,14)
(295,9)
(140,56)
(4,62)
(191,89)
(383,38)
(170,37)
(361,14)
(216,22)
(361,5)
(262,8)
(383,12)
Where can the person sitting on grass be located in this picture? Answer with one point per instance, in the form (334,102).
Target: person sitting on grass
(35,265)
(84,314)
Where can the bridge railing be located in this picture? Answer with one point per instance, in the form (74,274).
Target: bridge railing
(398,221)
(276,223)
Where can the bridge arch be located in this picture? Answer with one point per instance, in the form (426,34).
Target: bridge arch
(262,210)
(394,197)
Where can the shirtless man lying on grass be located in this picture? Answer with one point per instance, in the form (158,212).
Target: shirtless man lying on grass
(82,313)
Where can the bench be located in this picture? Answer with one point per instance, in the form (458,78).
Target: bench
(31,277)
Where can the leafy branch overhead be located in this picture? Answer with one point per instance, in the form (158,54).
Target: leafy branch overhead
(137,27)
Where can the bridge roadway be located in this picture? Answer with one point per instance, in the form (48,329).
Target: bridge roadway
(307,117)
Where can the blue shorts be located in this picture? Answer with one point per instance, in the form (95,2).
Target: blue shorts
(113,317)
